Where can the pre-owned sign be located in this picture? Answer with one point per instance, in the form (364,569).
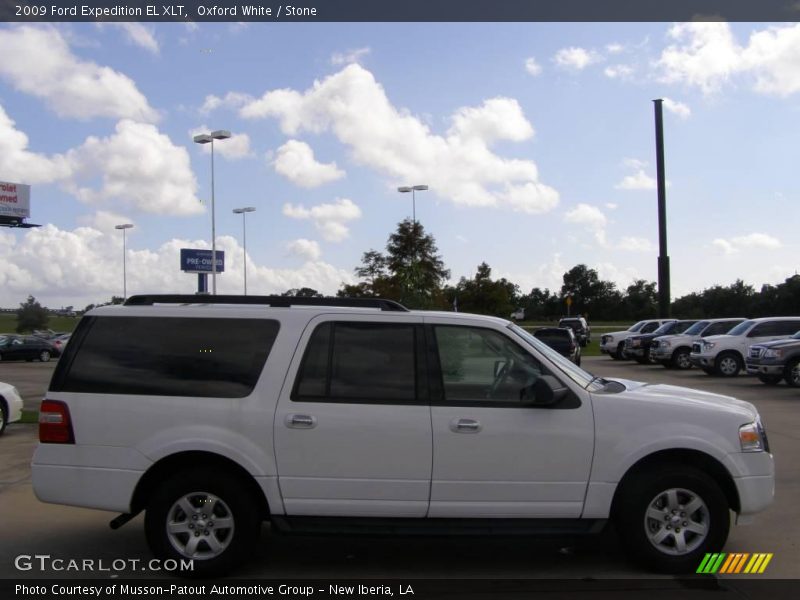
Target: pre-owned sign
(15,199)
(199,261)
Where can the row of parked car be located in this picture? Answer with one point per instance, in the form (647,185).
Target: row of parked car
(38,346)
(768,348)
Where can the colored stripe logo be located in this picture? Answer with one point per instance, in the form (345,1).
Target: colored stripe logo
(736,562)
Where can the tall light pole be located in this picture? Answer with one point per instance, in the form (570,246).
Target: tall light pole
(124,226)
(243,211)
(206,138)
(413,189)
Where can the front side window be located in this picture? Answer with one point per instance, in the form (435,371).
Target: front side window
(649,327)
(741,328)
(482,365)
(359,362)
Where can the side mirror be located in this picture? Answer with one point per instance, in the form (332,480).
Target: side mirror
(546,391)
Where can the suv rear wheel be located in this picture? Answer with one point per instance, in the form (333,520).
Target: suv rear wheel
(728,364)
(770,379)
(671,517)
(205,515)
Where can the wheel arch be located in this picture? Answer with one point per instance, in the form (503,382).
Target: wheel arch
(681,457)
(169,465)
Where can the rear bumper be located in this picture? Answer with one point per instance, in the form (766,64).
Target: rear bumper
(89,487)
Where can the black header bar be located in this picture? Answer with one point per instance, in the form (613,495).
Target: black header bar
(398,10)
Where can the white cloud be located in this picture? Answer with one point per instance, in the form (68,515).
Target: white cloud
(615,48)
(231,101)
(622,276)
(618,71)
(20,165)
(44,66)
(84,265)
(235,147)
(635,244)
(137,165)
(707,55)
(592,218)
(749,241)
(104,220)
(611,205)
(677,108)
(295,161)
(575,58)
(307,249)
(634,163)
(459,166)
(348,57)
(638,181)
(137,34)
(532,67)
(329,219)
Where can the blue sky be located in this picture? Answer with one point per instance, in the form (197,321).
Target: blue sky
(536,140)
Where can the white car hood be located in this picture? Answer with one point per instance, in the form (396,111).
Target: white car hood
(673,396)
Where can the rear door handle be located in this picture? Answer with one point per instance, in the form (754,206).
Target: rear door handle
(300,421)
(465,426)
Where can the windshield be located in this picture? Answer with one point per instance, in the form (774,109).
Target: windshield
(666,328)
(697,328)
(741,328)
(796,336)
(570,369)
(637,326)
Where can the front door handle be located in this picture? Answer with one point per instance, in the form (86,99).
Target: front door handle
(465,426)
(301,421)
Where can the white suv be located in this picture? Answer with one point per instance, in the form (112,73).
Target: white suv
(613,343)
(673,351)
(724,354)
(337,415)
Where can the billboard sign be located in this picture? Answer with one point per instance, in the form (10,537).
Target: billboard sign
(15,200)
(199,261)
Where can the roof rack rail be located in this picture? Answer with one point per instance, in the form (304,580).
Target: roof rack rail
(274,301)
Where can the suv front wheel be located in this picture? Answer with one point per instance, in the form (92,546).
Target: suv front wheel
(671,517)
(208,516)
(728,364)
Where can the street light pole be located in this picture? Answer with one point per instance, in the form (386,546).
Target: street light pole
(124,227)
(243,211)
(206,138)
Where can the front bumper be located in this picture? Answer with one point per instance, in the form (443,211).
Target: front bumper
(660,353)
(756,483)
(757,367)
(702,360)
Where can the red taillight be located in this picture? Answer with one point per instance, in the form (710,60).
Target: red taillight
(55,426)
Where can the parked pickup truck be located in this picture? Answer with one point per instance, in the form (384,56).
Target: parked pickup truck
(773,361)
(345,415)
(637,347)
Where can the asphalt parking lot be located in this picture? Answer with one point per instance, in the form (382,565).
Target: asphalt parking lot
(31,527)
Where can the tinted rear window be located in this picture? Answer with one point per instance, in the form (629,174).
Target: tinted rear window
(168,356)
(553,335)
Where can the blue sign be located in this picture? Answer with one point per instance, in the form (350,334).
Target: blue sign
(199,261)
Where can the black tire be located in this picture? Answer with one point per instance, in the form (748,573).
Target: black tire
(680,359)
(44,356)
(728,364)
(792,372)
(770,379)
(621,354)
(3,415)
(650,493)
(232,503)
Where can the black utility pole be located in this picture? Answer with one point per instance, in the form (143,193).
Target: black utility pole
(663,257)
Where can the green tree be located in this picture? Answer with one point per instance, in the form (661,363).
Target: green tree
(303,292)
(483,295)
(31,315)
(641,300)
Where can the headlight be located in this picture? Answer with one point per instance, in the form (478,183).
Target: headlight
(773,353)
(609,338)
(708,345)
(666,344)
(753,437)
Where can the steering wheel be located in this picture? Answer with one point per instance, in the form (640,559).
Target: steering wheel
(500,378)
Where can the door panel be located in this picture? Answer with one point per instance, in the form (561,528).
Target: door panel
(513,460)
(356,439)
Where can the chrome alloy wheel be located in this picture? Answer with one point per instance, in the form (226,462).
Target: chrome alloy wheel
(728,366)
(677,521)
(200,525)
